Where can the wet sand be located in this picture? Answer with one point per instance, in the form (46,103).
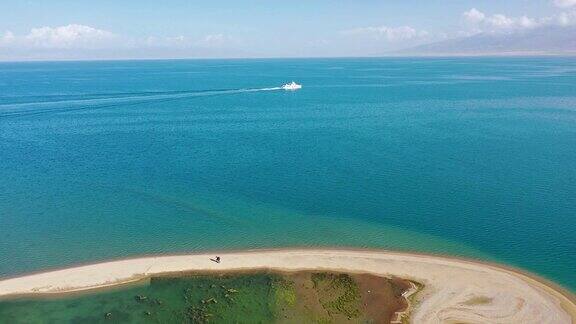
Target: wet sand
(455,290)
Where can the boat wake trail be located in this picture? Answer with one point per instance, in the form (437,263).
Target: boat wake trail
(33,105)
(265,89)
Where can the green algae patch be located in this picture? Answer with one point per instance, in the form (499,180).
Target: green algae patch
(229,299)
(284,293)
(338,293)
(258,297)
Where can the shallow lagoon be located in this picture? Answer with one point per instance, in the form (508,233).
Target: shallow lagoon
(257,297)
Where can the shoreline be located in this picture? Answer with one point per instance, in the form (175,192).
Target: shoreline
(542,280)
(450,283)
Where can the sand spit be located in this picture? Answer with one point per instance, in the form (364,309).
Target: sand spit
(454,291)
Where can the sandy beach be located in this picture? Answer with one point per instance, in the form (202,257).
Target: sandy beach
(455,290)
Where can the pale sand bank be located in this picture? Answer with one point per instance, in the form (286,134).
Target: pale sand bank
(455,290)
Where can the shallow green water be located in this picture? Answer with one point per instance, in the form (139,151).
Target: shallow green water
(230,299)
(465,156)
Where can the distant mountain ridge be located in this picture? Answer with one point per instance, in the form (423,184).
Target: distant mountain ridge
(544,40)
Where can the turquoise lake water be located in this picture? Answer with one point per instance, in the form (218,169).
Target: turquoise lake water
(473,157)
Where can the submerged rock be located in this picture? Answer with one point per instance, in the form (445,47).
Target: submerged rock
(141,298)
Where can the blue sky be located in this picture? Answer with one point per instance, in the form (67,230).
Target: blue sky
(42,29)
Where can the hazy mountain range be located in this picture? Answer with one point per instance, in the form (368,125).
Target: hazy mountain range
(544,40)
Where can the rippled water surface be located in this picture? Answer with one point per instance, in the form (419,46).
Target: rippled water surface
(471,157)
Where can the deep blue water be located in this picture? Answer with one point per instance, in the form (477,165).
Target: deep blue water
(464,156)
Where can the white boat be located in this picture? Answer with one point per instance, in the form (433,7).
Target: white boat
(292,86)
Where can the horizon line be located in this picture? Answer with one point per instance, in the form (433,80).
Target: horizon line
(430,55)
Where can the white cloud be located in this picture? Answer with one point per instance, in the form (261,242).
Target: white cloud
(526,22)
(69,36)
(474,16)
(62,37)
(391,34)
(500,21)
(482,22)
(566,18)
(183,42)
(154,41)
(213,40)
(7,38)
(218,40)
(82,37)
(565,3)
